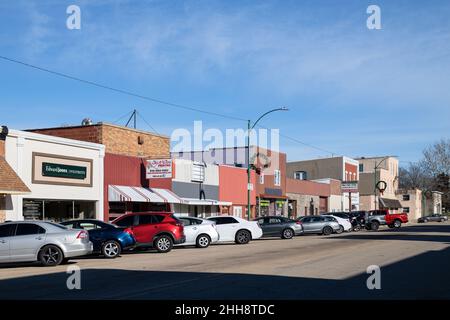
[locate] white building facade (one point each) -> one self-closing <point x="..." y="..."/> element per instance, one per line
<point x="65" y="177"/>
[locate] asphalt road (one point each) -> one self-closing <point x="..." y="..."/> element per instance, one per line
<point x="414" y="262"/>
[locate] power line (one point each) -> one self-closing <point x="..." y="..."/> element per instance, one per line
<point x="129" y="93"/>
<point x="148" y="124"/>
<point x="122" y="117"/>
<point x="301" y="142"/>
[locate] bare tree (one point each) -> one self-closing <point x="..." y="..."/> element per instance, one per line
<point x="436" y="159"/>
<point x="436" y="163"/>
<point x="414" y="176"/>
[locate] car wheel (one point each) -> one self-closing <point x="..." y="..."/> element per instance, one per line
<point x="287" y="233"/>
<point x="203" y="241"/>
<point x="243" y="237"/>
<point x="397" y="224"/>
<point x="111" y="249"/>
<point x="425" y="220"/>
<point x="442" y="220"/>
<point x="340" y="230"/>
<point x="374" y="225"/>
<point x="357" y="228"/>
<point x="51" y="256"/>
<point x="163" y="244"/>
<point x="327" y="231"/>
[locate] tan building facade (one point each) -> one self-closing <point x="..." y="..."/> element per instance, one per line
<point x="411" y="201"/>
<point x="342" y="169"/>
<point x="371" y="171"/>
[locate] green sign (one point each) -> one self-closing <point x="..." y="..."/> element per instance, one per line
<point x="280" y="203"/>
<point x="63" y="171"/>
<point x="264" y="203"/>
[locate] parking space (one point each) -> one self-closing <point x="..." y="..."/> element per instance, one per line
<point x="309" y="266"/>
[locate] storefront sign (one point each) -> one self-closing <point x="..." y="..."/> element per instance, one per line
<point x="161" y="168"/>
<point x="264" y="203"/>
<point x="349" y="187"/>
<point x="63" y="171"/>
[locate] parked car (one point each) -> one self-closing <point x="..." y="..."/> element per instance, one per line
<point x="276" y="226"/>
<point x="433" y="217"/>
<point x="108" y="239"/>
<point x="344" y="223"/>
<point x="199" y="232"/>
<point x="319" y="224"/>
<point x="46" y="242"/>
<point x="357" y="219"/>
<point x="376" y="218"/>
<point x="236" y="229"/>
<point x="343" y="215"/>
<point x="159" y="230"/>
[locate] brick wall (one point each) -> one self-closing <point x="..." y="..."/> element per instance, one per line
<point x="83" y="133"/>
<point x="128" y="142"/>
<point x="2" y="148"/>
<point x="117" y="140"/>
<point x="2" y="198"/>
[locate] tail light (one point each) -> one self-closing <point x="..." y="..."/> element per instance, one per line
<point x="129" y="231"/>
<point x="82" y="235"/>
<point x="298" y="222"/>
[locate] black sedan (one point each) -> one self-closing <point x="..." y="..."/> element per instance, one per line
<point x="277" y="226"/>
<point x="433" y="217"/>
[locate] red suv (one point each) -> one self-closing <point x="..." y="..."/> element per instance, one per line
<point x="159" y="230"/>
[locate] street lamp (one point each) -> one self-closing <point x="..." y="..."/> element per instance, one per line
<point x="250" y="128"/>
<point x="375" y="179"/>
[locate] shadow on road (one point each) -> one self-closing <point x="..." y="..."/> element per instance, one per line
<point x="406" y="233"/>
<point x="420" y="277"/>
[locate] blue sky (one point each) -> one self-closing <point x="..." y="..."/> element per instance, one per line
<point x="350" y="90"/>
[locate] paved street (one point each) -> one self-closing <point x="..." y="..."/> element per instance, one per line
<point x="414" y="264"/>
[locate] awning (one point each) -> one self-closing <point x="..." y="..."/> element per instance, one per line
<point x="140" y="194"/>
<point x="10" y="182"/>
<point x="390" y="203"/>
<point x="271" y="196"/>
<point x="205" y="202"/>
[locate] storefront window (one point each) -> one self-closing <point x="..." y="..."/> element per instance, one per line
<point x="57" y="210"/>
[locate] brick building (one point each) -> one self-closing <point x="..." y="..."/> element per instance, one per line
<point x="126" y="152"/>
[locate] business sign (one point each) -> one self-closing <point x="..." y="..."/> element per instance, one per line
<point x="160" y="168"/>
<point x="63" y="171"/>
<point x="351" y="186"/>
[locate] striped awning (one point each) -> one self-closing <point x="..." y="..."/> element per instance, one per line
<point x="139" y="194"/>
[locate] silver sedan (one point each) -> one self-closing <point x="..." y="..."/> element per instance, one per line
<point x="46" y="242"/>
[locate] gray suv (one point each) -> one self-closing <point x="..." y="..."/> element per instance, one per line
<point x="319" y="224"/>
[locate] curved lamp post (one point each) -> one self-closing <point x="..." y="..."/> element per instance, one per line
<point x="250" y="128"/>
<point x="375" y="179"/>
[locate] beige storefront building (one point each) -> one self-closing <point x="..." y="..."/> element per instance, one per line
<point x="371" y="171"/>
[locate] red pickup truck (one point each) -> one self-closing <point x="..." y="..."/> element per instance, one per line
<point x="383" y="217"/>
